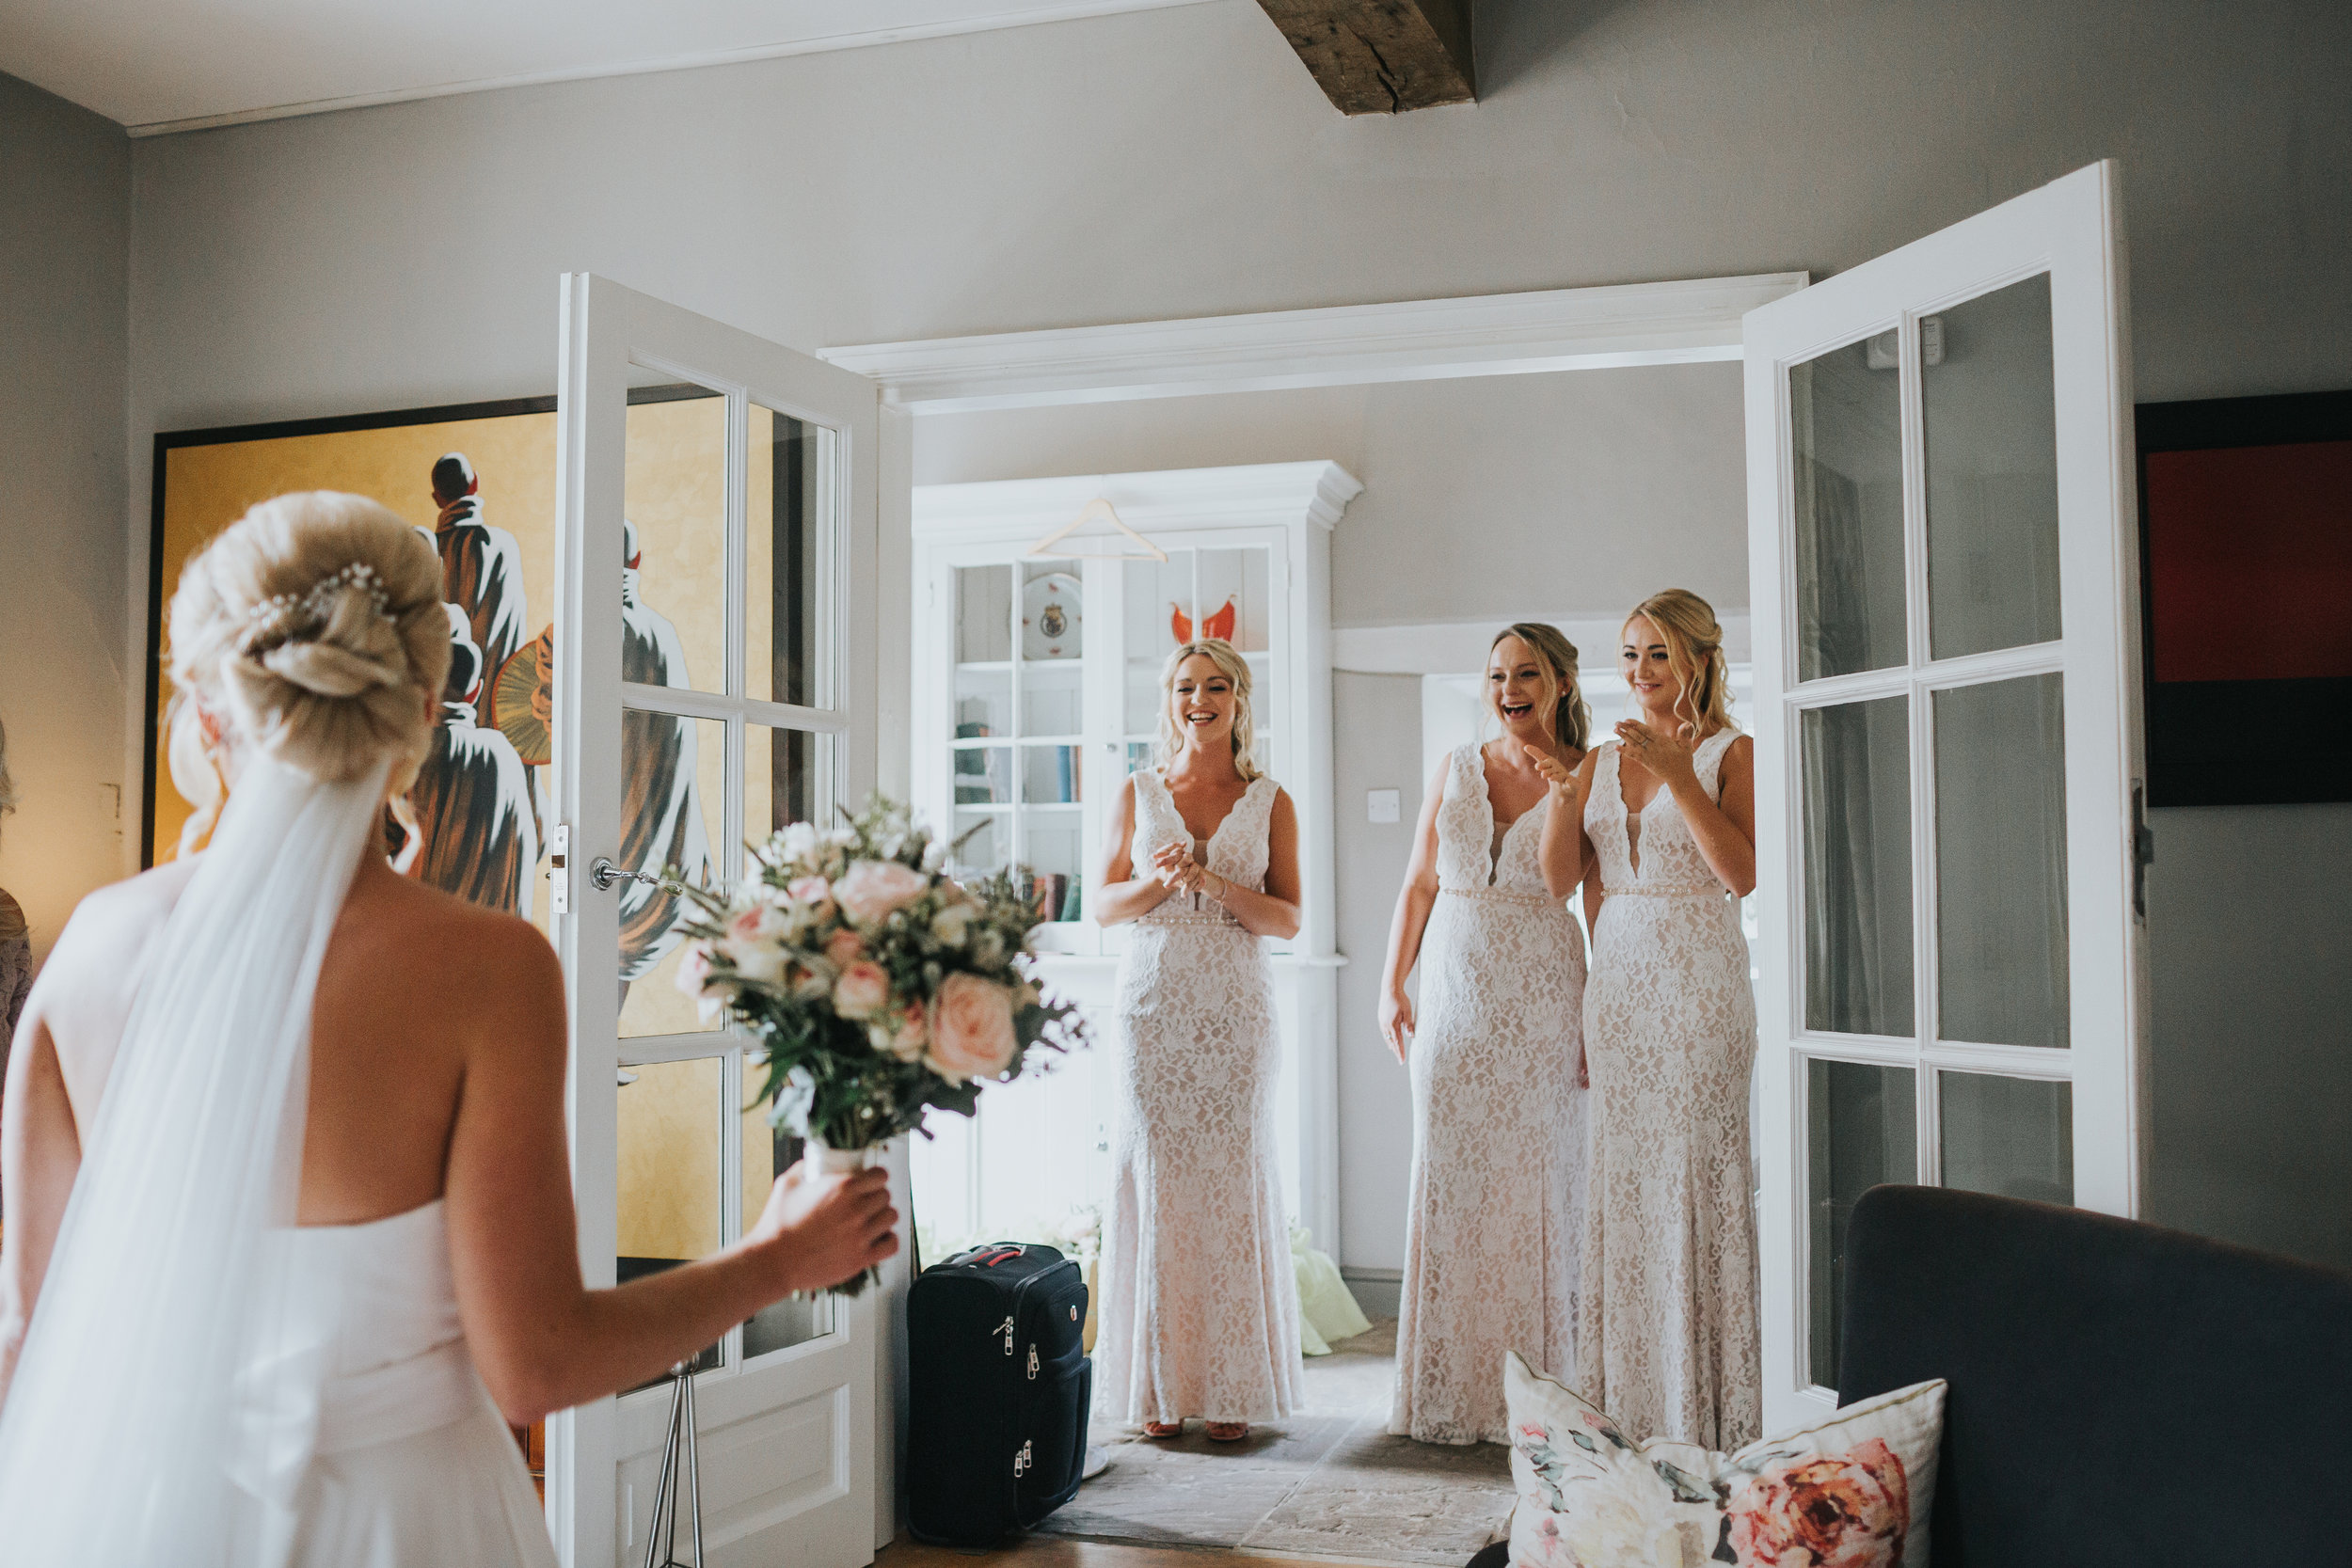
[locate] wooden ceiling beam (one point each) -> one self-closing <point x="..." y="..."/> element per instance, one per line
<point x="1382" y="57"/>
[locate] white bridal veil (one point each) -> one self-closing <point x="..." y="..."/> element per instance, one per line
<point x="134" y="1435"/>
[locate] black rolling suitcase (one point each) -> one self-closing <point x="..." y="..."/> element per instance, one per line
<point x="998" y="1389"/>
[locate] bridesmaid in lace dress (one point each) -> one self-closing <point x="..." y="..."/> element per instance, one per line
<point x="1490" y="1241"/>
<point x="1666" y="1326"/>
<point x="1199" y="1311"/>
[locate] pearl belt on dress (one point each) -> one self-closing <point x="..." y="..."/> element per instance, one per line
<point x="1668" y="890"/>
<point x="1508" y="895"/>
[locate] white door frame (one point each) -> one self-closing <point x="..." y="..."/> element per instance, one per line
<point x="603" y="327"/>
<point x="1683" y="322"/>
<point x="2071" y="229"/>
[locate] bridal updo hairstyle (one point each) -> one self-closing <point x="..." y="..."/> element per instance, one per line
<point x="312" y="630"/>
<point x="1694" y="652"/>
<point x="1570" y="719"/>
<point x="1236" y="670"/>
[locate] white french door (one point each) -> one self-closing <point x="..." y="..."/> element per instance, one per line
<point x="1948" y="757"/>
<point x="714" y="658"/>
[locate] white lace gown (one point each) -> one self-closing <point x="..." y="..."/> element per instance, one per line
<point x="1490" y="1241"/>
<point x="402" y="1458"/>
<point x="1667" y="1322"/>
<point x="1200" y="1312"/>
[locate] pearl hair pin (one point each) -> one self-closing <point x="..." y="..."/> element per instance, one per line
<point x="312" y="605"/>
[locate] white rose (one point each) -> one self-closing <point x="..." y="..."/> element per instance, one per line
<point x="953" y="924"/>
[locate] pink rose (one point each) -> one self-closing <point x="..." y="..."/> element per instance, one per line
<point x="971" y="1029"/>
<point x="1839" y="1510"/>
<point x="693" y="969"/>
<point x="863" y="989"/>
<point x="870" y="889"/>
<point x="914" y="1026"/>
<point x="753" y="923"/>
<point x="808" y="890"/>
<point x="843" y="949"/>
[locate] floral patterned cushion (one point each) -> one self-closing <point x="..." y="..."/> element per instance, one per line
<point x="1853" y="1492"/>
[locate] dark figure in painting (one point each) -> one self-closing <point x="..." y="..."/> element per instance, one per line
<point x="662" y="817"/>
<point x="481" y="568"/>
<point x="480" y="836"/>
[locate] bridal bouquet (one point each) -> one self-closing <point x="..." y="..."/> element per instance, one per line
<point x="875" y="985"/>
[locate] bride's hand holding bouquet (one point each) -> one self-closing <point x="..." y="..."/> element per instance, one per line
<point x="874" y="986"/>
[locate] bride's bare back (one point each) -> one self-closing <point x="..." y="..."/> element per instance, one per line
<point x="436" y="1070"/>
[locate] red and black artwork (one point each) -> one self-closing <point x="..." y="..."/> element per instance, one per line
<point x="2246" y="538"/>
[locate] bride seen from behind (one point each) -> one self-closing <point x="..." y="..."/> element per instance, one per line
<point x="1199" y="1311"/>
<point x="1496" y="1053"/>
<point x="290" y="1223"/>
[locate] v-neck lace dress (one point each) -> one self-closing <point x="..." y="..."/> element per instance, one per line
<point x="1667" y="1327"/>
<point x="1491" y="1237"/>
<point x="1200" y="1312"/>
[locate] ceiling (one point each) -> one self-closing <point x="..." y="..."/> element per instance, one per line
<point x="178" y="65"/>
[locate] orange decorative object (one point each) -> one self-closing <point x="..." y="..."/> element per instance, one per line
<point x="1217" y="626"/>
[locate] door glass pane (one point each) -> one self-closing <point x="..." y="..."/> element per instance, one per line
<point x="669" y="1169"/>
<point x="790" y="504"/>
<point x="2013" y="1136"/>
<point x="983" y="614"/>
<point x="673" y="594"/>
<point x="1233" y="597"/>
<point x="1861" y="1130"/>
<point x="1846" y="435"/>
<point x="788" y="778"/>
<point x="673" y="804"/>
<point x="1856" y="800"/>
<point x="1052" y="828"/>
<point x="1991" y="409"/>
<point x="1156" y="598"/>
<point x="766" y="1151"/>
<point x="1052" y="651"/>
<point x="2000" y="854"/>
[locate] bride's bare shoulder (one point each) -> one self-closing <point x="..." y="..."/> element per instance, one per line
<point x="113" y="925"/>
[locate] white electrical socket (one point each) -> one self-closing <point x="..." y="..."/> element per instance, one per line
<point x="1382" y="805"/>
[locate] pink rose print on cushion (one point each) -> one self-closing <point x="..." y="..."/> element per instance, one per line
<point x="1839" y="1511"/>
<point x="871" y="889"/>
<point x="971" y="1033"/>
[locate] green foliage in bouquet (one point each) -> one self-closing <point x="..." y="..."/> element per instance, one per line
<point x="875" y="985"/>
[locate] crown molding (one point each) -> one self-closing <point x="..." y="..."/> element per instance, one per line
<point x="1553" y="329"/>
<point x="1169" y="501"/>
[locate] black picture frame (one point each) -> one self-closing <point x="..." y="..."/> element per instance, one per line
<point x="2303" y="725"/>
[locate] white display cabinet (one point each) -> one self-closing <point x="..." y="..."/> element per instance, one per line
<point x="1035" y="691"/>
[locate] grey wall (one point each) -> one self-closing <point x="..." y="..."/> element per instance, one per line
<point x="1178" y="162"/>
<point x="1378" y="719"/>
<point x="1485" y="497"/>
<point x="65" y="185"/>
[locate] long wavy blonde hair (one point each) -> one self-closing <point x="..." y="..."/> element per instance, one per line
<point x="1571" y="719"/>
<point x="1694" y="652"/>
<point x="312" y="631"/>
<point x="1236" y="670"/>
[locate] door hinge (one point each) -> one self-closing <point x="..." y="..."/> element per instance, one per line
<point x="2144" y="848"/>
<point x="559" y="868"/>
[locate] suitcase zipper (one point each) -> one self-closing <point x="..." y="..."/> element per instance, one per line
<point x="1004" y="1328"/>
<point x="1033" y="1363"/>
<point x="1021" y="1463"/>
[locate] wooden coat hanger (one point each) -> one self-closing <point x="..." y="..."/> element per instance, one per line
<point x="1144" y="551"/>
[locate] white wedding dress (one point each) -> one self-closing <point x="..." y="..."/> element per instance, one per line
<point x="203" y="1383"/>
<point x="1668" y="1329"/>
<point x="411" y="1463"/>
<point x="1200" y="1313"/>
<point x="1491" y="1236"/>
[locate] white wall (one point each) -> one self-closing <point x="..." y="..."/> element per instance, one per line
<point x="65" y="584"/>
<point x="1179" y="163"/>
